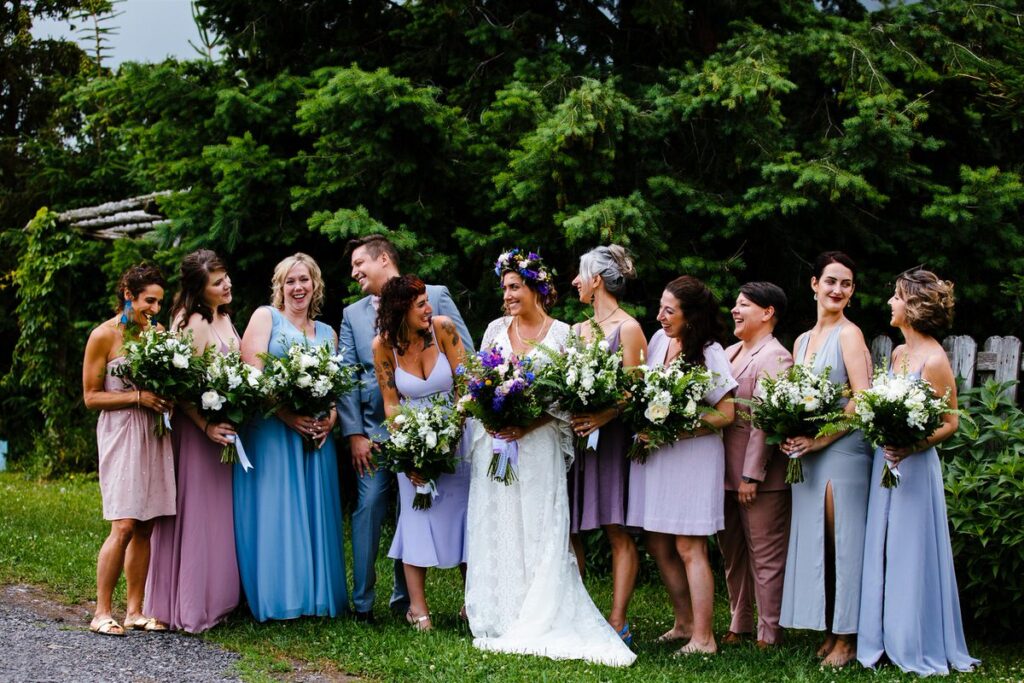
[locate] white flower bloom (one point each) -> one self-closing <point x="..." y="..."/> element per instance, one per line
<point x="212" y="400"/>
<point x="691" y="407"/>
<point x="307" y="361"/>
<point x="657" y="412"/>
<point x="431" y="439"/>
<point x="303" y="380"/>
<point x="180" y="361"/>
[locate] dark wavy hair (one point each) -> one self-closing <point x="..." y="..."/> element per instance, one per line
<point x="703" y="319"/>
<point x="136" y="279"/>
<point x="396" y="298"/>
<point x="195" y="274"/>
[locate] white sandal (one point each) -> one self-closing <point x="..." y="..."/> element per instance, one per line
<point x="417" y="621"/>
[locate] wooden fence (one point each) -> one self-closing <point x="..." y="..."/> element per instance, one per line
<point x="999" y="359"/>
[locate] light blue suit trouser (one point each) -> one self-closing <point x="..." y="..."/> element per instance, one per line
<point x="374" y="493"/>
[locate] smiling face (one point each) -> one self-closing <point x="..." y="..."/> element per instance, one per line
<point x="670" y="315"/>
<point x="218" y="289"/>
<point x="418" y="317"/>
<point x="898" y="306"/>
<point x="297" y="289"/>
<point x="750" y="320"/>
<point x="586" y="287"/>
<point x="834" y="288"/>
<point x="370" y="273"/>
<point x="518" y="298"/>
<point x="147" y="303"/>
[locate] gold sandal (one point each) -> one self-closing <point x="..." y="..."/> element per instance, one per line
<point x="417" y="622"/>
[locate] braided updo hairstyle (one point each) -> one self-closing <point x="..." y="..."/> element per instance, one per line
<point x="929" y="301"/>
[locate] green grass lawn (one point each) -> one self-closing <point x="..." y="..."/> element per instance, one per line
<point x="50" y="533"/>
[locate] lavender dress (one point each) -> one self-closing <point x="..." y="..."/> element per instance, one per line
<point x="193" y="572"/>
<point x="435" y="537"/>
<point x="136" y="466"/>
<point x="599" y="480"/>
<point x="679" y="489"/>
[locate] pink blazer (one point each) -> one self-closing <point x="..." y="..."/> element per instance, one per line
<point x="746" y="454"/>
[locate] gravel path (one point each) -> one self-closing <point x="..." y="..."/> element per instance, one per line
<point x="45" y="641"/>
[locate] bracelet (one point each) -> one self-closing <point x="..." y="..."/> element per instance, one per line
<point x="138" y="397"/>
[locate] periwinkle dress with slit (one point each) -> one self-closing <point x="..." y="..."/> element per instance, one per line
<point x="909" y="606"/>
<point x="193" y="579"/>
<point x="288" y="528"/>
<point x="599" y="479"/>
<point x="435" y="537"/>
<point x="846" y="463"/>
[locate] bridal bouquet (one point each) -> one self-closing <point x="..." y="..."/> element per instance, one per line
<point x="424" y="439"/>
<point x="163" y="363"/>
<point x="307" y="381"/>
<point x="666" y="402"/>
<point x="229" y="390"/>
<point x="583" y="377"/>
<point x="899" y="411"/>
<point x="499" y="391"/>
<point x="795" y="403"/>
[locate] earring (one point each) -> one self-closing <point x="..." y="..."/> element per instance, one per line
<point x="815" y="296"/>
<point x="126" y="312"/>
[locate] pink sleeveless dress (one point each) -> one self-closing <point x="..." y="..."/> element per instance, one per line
<point x="136" y="467"/>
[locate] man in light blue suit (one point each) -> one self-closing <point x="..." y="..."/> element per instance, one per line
<point x="374" y="262"/>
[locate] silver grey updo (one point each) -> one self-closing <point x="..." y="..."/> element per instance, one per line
<point x="612" y="263"/>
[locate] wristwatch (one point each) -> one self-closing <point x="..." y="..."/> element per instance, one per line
<point x="750" y="480"/>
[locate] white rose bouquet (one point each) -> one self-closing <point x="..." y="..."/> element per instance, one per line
<point x="583" y="377"/>
<point x="307" y="381"/>
<point x="898" y="411"/>
<point x="796" y="403"/>
<point x="164" y="363"/>
<point x="424" y="440"/>
<point x="228" y="391"/>
<point x="665" y="403"/>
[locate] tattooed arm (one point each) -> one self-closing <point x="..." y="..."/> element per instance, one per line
<point x="384" y="364"/>
<point x="449" y="341"/>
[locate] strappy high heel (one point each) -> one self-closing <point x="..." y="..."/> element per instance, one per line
<point x="626" y="634"/>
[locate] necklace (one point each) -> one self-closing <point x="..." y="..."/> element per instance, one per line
<point x="530" y="340"/>
<point x="602" y="320"/>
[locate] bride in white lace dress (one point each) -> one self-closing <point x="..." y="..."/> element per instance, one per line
<point x="524" y="594"/>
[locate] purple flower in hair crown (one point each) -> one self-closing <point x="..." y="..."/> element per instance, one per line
<point x="528" y="266"/>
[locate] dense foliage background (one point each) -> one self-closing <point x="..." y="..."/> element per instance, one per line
<point x="729" y="140"/>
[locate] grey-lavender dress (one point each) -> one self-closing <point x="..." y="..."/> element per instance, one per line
<point x="909" y="606"/>
<point x="847" y="464"/>
<point x="599" y="479"/>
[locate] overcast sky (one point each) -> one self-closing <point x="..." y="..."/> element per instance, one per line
<point x="148" y="31"/>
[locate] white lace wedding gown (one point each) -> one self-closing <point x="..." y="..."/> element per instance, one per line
<point x="524" y="594"/>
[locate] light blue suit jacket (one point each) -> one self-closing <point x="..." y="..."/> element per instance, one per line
<point x="362" y="410"/>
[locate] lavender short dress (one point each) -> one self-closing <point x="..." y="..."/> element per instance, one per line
<point x="435" y="537"/>
<point x="680" y="489"/>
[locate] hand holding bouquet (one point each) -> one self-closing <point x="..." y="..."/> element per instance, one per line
<point x="228" y="391"/>
<point x="795" y="403"/>
<point x="584" y="377"/>
<point x="500" y="392"/>
<point x="898" y="411"/>
<point x="666" y="402"/>
<point x="424" y="440"/>
<point x="307" y="381"/>
<point x="163" y="363"/>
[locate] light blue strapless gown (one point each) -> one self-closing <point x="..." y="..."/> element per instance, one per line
<point x="288" y="526"/>
<point x="435" y="537"/>
<point x="909" y="606"/>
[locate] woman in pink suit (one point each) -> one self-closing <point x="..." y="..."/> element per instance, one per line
<point x="757" y="499"/>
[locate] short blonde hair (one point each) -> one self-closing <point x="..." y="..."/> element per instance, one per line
<point x="929" y="301"/>
<point x="281" y="273"/>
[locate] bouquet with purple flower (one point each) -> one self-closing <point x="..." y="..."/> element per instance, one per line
<point x="499" y="391"/>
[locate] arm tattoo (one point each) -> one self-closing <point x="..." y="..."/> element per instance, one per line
<point x="453" y="334"/>
<point x="387" y="373"/>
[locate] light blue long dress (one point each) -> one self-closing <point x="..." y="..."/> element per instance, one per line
<point x="435" y="537"/>
<point x="288" y="527"/>
<point x="909" y="606"/>
<point x="847" y="464"/>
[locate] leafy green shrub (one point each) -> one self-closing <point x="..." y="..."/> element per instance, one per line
<point x="984" y="480"/>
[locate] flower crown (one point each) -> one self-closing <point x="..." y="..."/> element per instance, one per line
<point x="530" y="267"/>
